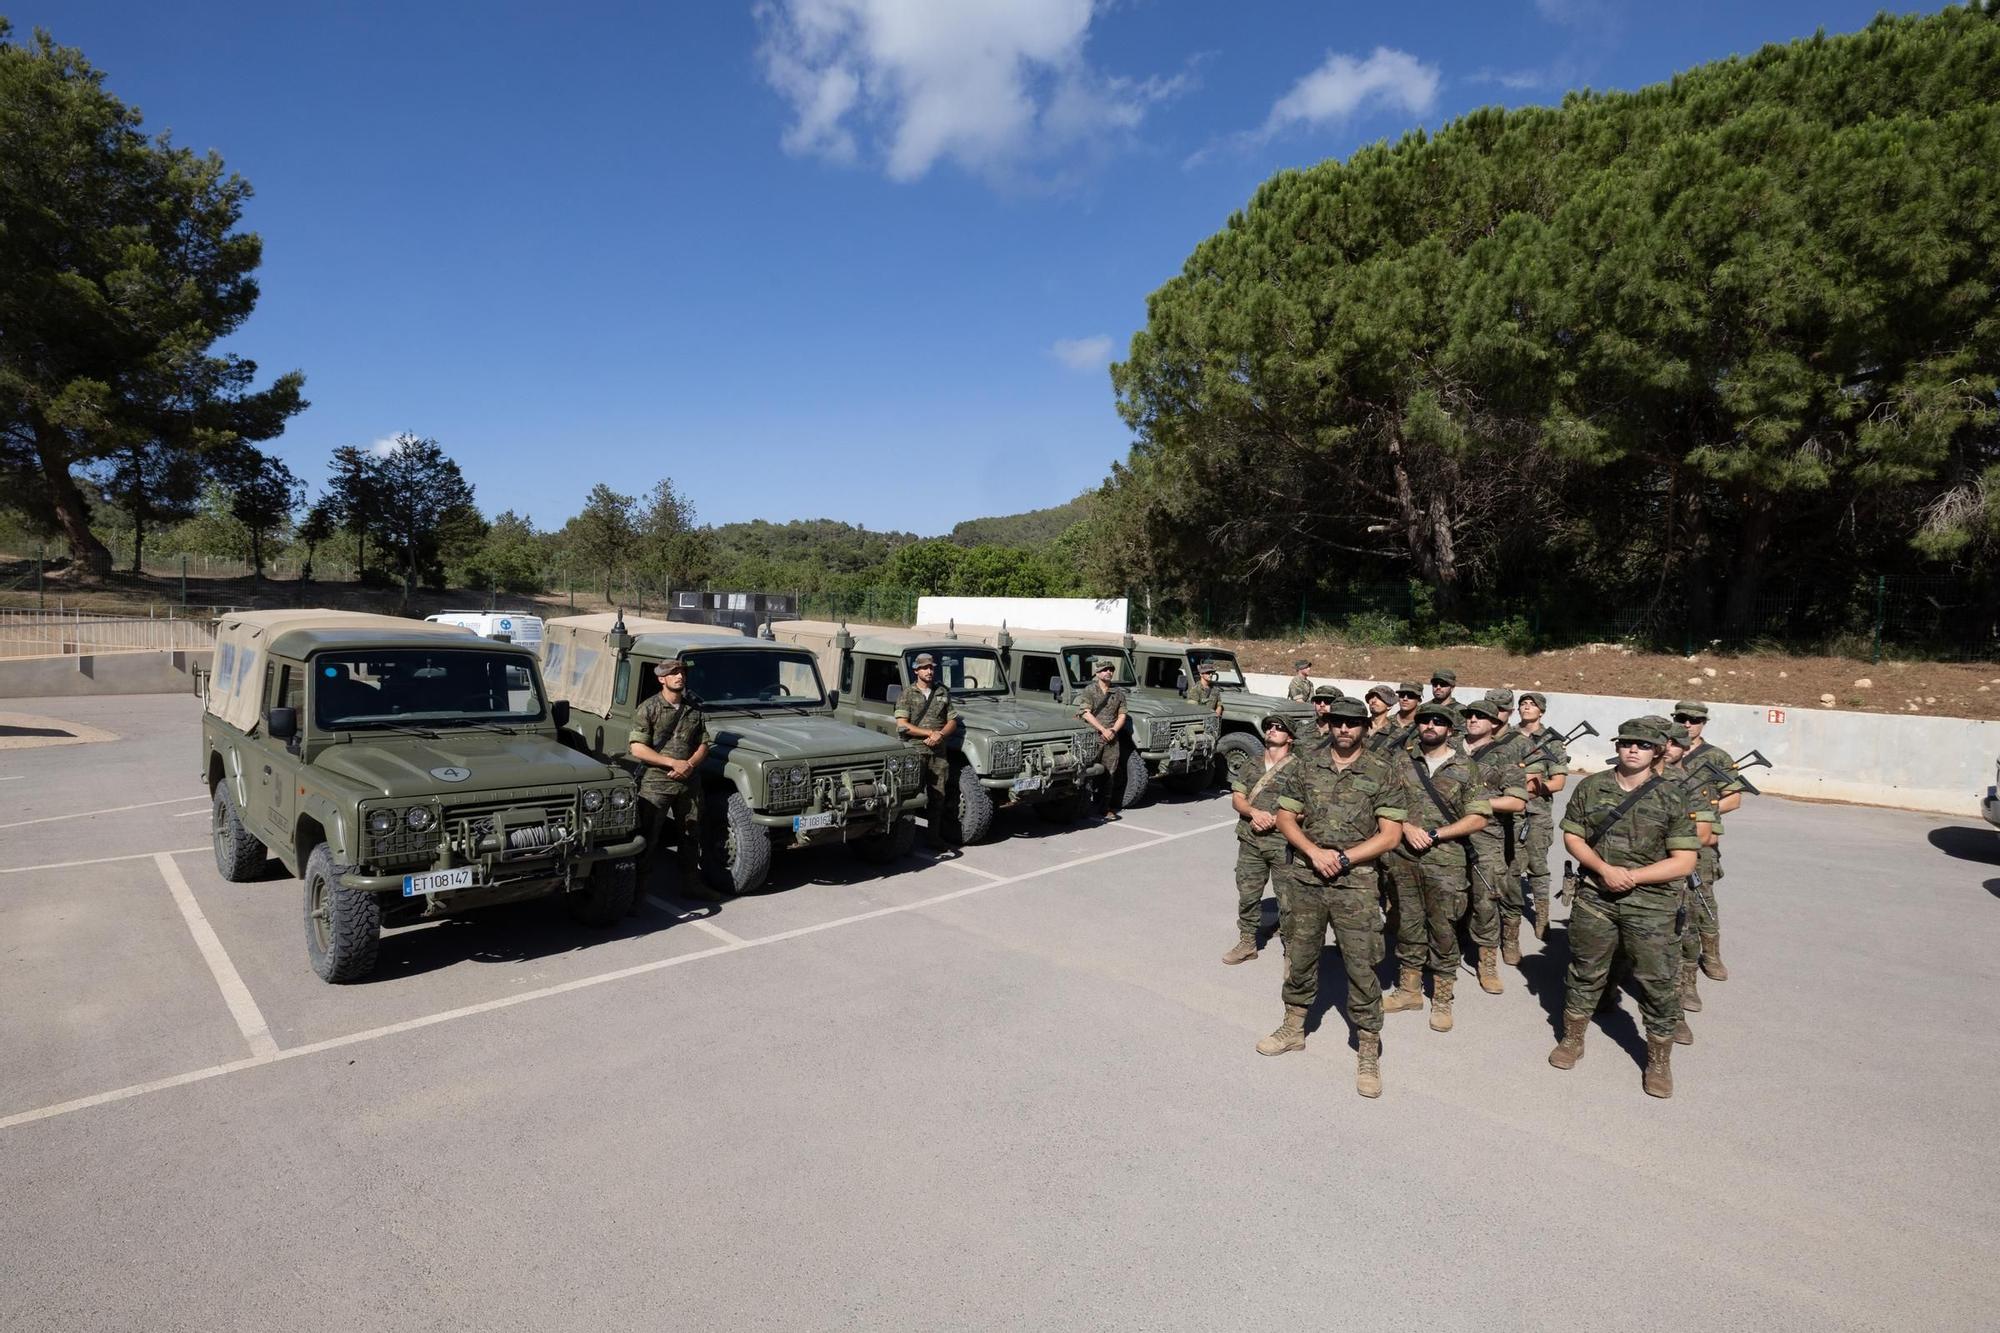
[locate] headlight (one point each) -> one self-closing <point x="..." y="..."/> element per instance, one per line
<point x="797" y="776"/>
<point x="620" y="798"/>
<point x="419" y="818"/>
<point x="593" y="800"/>
<point x="1006" y="754"/>
<point x="381" y="821"/>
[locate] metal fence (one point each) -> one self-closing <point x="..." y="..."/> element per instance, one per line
<point x="48" y="633"/>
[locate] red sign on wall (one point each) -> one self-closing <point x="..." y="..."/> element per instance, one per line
<point x="1774" y="715"/>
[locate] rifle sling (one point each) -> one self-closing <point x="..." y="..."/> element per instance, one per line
<point x="1444" y="807"/>
<point x="1618" y="812"/>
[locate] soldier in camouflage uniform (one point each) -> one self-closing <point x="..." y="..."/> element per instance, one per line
<point x="1705" y="823"/>
<point x="1716" y="773"/>
<point x="1260" y="849"/>
<point x="1431" y="862"/>
<point x="1626" y="897"/>
<point x="1102" y="706"/>
<point x="670" y="737"/>
<point x="1205" y="693"/>
<point x="1497" y="755"/>
<point x="1321" y="734"/>
<point x="1381" y="701"/>
<point x="1301" y="687"/>
<point x="1338" y="811"/>
<point x="1402" y="732"/>
<point x="925" y="714"/>
<point x="1547" y="773"/>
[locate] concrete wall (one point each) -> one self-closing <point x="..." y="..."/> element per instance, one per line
<point x="1940" y="764"/>
<point x="1025" y="612"/>
<point x="72" y="674"/>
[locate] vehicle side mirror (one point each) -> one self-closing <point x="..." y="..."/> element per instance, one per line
<point x="895" y="693"/>
<point x="559" y="712"/>
<point x="281" y="724"/>
<point x="833" y="698"/>
<point x="1180" y="682"/>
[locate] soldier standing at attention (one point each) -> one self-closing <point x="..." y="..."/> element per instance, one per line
<point x="1507" y="792"/>
<point x="1260" y="848"/>
<point x="1445" y="803"/>
<point x="1716" y="773"/>
<point x="1381" y="700"/>
<point x="1443" y="681"/>
<point x="1707" y="829"/>
<point x="1403" y="731"/>
<point x="1338" y="811"/>
<point x="1204" y="693"/>
<point x="1548" y="773"/>
<point x="1103" y="707"/>
<point x="670" y="737"/>
<point x="1323" y="697"/>
<point x="1632" y="838"/>
<point x="925" y="713"/>
<point x="1302" y="684"/>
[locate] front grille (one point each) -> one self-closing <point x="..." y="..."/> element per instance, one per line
<point x="1052" y="758"/>
<point x="1192" y="735"/>
<point x="524" y="825"/>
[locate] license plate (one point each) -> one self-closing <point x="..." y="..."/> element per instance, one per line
<point x="807" y="823"/>
<point x="1178" y="755"/>
<point x="437" y="881"/>
<point x="1032" y="782"/>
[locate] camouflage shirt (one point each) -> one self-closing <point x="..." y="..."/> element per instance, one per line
<point x="929" y="711"/>
<point x="1301" y="690"/>
<point x="1459" y="782"/>
<point x="1499" y="775"/>
<point x="1259" y="786"/>
<point x="1338" y="807"/>
<point x="1551" y="760"/>
<point x="1658" y="823"/>
<point x="676" y="732"/>
<point x="1103" y="702"/>
<point x="1205" y="696"/>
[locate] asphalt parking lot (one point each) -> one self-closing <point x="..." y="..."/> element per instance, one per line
<point x="1012" y="1090"/>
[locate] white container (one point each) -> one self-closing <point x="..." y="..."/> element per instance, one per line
<point x="517" y="626"/>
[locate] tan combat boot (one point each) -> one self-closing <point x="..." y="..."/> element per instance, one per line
<point x="1489" y="971"/>
<point x="1541" y="907"/>
<point x="1683" y="1034"/>
<point x="1711" y="958"/>
<point x="1570" y="1049"/>
<point x="1441" y="1002"/>
<point x="1368" y="1069"/>
<point x="1690" y="997"/>
<point x="1510" y="941"/>
<point x="1245" y="950"/>
<point x="1290" y="1036"/>
<point x="1659" y="1080"/>
<point x="1409" y="992"/>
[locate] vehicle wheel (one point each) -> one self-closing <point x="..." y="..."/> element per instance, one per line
<point x="1064" y="809"/>
<point x="1132" y="771"/>
<point x="238" y="856"/>
<point x="972" y="820"/>
<point x="894" y="845"/>
<point x="343" y="926"/>
<point x="736" y="852"/>
<point x="606" y="896"/>
<point x="1237" y="750"/>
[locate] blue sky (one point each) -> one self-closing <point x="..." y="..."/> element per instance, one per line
<point x="857" y="259"/>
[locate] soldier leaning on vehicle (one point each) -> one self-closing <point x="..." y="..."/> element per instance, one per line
<point x="1102" y="705"/>
<point x="670" y="737"/>
<point x="926" y="714"/>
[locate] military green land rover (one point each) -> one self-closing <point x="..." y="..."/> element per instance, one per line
<point x="1174" y="741"/>
<point x="782" y="770"/>
<point x="1008" y="751"/>
<point x="403" y="771"/>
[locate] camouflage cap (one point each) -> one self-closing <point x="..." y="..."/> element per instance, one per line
<point x="1445" y="674"/>
<point x="923" y="659"/>
<point x="1693" y="708"/>
<point x="1386" y="693"/>
<point x="1503" y="697"/>
<point x="1647" y="729"/>
<point x="1327" y="692"/>
<point x="1488" y="708"/>
<point x="1541" y="700"/>
<point x="1278" y="720"/>
<point x="1348" y="709"/>
<point x="1098" y="664"/>
<point x="669" y="665"/>
<point x="1411" y="687"/>
<point x="1300" y="663"/>
<point x="1207" y="667"/>
<point x="1436" y="713"/>
<point x="1678" y="734"/>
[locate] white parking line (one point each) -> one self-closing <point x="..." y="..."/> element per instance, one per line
<point x="191" y="814"/>
<point x="973" y="870"/>
<point x="579" y="983"/>
<point x="97" y="861"/>
<point x="703" y="923"/>
<point x="1136" y="828"/>
<point x="112" y="810"/>
<point x="242" y="1007"/>
<point x="15" y="777"/>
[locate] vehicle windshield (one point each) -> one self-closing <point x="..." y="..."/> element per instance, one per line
<point x="439" y="687"/>
<point x="963" y="670"/>
<point x="1227" y="672"/>
<point x="753" y="678"/>
<point x="1076" y="661"/>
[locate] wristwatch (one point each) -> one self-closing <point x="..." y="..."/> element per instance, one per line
<point x="1345" y="864"/>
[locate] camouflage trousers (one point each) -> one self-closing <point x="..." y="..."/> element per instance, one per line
<point x="1643" y="926"/>
<point x="1351" y="907"/>
<point x="1430" y="898"/>
<point x="1486" y="881"/>
<point x="1255" y="864"/>
<point x="678" y="813"/>
<point x="1704" y="912"/>
<point x="1534" y="834"/>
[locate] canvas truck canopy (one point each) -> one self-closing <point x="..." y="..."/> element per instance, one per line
<point x="580" y="665"/>
<point x="243" y="642"/>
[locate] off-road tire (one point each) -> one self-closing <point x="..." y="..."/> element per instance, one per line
<point x="971" y="820"/>
<point x="1138" y="783"/>
<point x="1234" y="750"/>
<point x="606" y="896"/>
<point x="342" y="945"/>
<point x="736" y="851"/>
<point x="1064" y="809"/>
<point x="885" y="848"/>
<point x="238" y="856"/>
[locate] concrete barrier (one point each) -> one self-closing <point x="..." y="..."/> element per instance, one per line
<point x="70" y="675"/>
<point x="1026" y="612"/>
<point x="1940" y="764"/>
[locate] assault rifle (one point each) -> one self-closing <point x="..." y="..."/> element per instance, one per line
<point x="1541" y="746"/>
<point x="1748" y="759"/>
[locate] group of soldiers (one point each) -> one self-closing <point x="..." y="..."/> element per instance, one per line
<point x="1396" y="817"/>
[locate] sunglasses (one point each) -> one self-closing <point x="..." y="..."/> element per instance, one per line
<point x="1349" y="722"/>
<point x="1641" y="745"/>
<point x="1686" y="718"/>
<point x="1408" y="694"/>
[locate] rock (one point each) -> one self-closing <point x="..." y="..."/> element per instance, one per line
<point x="1982" y="689"/>
<point x="1930" y="698"/>
<point x="1784" y="675"/>
<point x="1826" y="699"/>
<point x="1864" y="684"/>
<point x="1692" y="680"/>
<point x="1710" y="671"/>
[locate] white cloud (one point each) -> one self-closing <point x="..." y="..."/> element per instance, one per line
<point x="1092" y="353"/>
<point x="996" y="86"/>
<point x="1342" y="86"/>
<point x="385" y="446"/>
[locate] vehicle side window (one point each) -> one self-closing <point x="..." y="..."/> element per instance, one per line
<point x="246" y="669"/>
<point x="847" y="673"/>
<point x="1161" y="672"/>
<point x="649" y="684"/>
<point x="877" y="675"/>
<point x="290" y="691"/>
<point x="581" y="664"/>
<point x="225" y="670"/>
<point x="552" y="670"/>
<point x="622" y="682"/>
<point x="1037" y="671"/>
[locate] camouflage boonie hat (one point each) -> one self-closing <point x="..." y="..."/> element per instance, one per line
<point x="1278" y="720"/>
<point x="1647" y="729"/>
<point x="1445" y="674"/>
<point x="1693" y="708"/>
<point x="1678" y="734"/>
<point x="1326" y="692"/>
<point x="1300" y="663"/>
<point x="1541" y="700"/>
<point x="1436" y="713"/>
<point x="923" y="659"/>
<point x="1488" y="708"/>
<point x="1348" y="709"/>
<point x="1098" y="664"/>
<point x="1504" y="698"/>
<point x="669" y="665"/>
<point x="1410" y="687"/>
<point x="1386" y="693"/>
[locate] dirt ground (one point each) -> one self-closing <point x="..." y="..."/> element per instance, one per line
<point x="1943" y="689"/>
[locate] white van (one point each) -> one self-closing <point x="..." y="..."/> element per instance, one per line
<point x="516" y="626"/>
